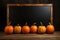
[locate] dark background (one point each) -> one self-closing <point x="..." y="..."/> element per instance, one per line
<point x="30" y="14"/>
<point x="56" y="11"/>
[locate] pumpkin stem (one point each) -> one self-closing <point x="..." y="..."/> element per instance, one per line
<point x="9" y="23"/>
<point x="41" y="23"/>
<point x="26" y="23"/>
<point x="18" y="24"/>
<point x="49" y="23"/>
<point x="34" y="23"/>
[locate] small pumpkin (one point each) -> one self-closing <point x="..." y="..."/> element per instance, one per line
<point x="33" y="28"/>
<point x="50" y="28"/>
<point x="8" y="29"/>
<point x="41" y="29"/>
<point x="17" y="29"/>
<point x="25" y="29"/>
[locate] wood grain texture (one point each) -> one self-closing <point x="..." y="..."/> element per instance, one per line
<point x="54" y="36"/>
<point x="26" y="1"/>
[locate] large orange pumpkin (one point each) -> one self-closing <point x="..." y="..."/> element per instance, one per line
<point x="41" y="29"/>
<point x="8" y="29"/>
<point x="17" y="29"/>
<point x="50" y="28"/>
<point x="33" y="28"/>
<point x="25" y="29"/>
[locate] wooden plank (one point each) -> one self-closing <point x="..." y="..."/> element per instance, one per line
<point x="54" y="36"/>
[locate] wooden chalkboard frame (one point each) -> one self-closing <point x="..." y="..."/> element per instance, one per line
<point x="51" y="6"/>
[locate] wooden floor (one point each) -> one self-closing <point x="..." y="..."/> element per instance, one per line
<point x="55" y="36"/>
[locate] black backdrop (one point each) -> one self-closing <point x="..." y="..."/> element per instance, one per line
<point x="30" y="14"/>
<point x="56" y="11"/>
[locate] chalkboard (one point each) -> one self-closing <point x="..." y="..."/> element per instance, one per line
<point x="30" y="13"/>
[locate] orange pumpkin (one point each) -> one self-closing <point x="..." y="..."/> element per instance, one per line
<point x="17" y="29"/>
<point x="41" y="29"/>
<point x="50" y="28"/>
<point x="8" y="29"/>
<point x="33" y="28"/>
<point x="25" y="29"/>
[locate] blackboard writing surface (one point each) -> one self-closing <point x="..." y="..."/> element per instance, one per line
<point x="30" y="14"/>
